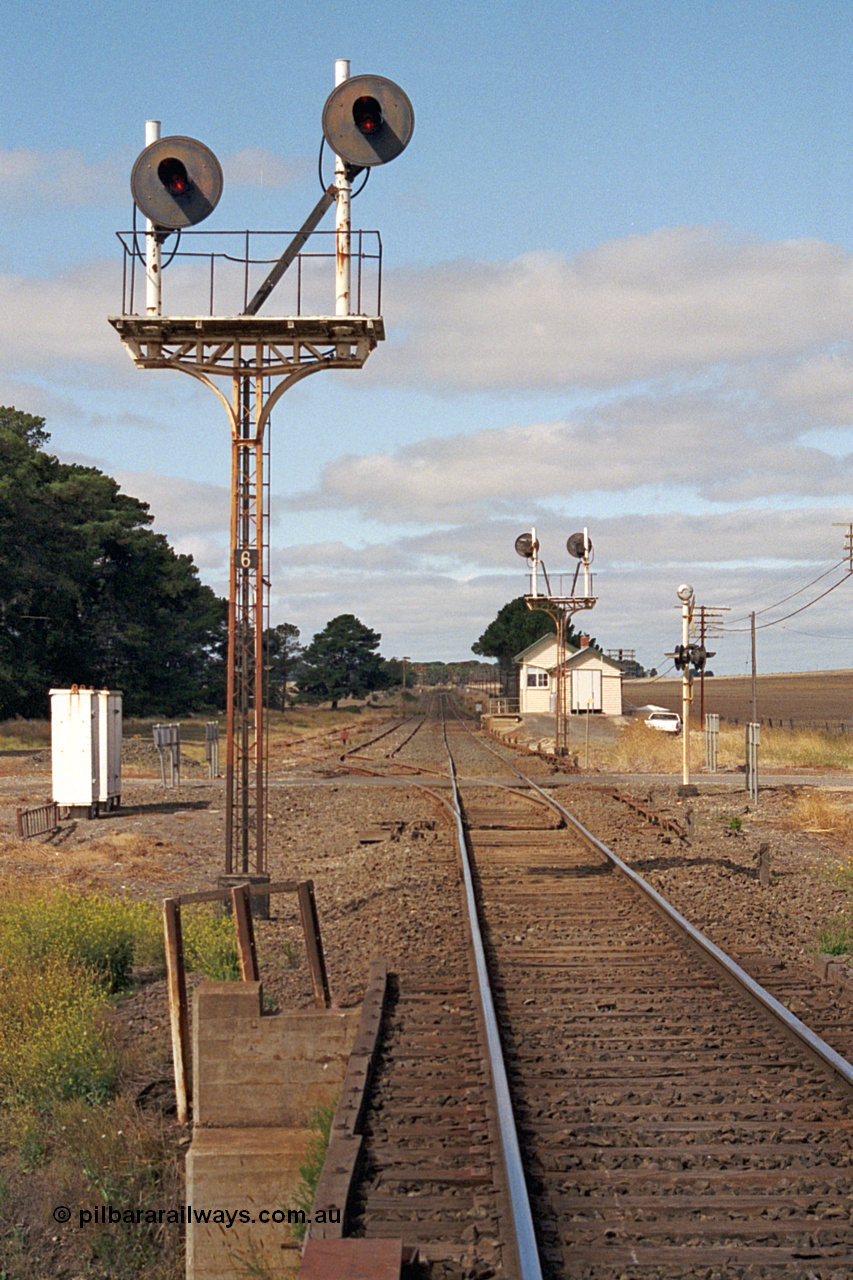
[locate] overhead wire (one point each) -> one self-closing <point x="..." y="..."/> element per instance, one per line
<point x="816" y="635"/>
<point x="785" y="599"/>
<point x="775" y="622"/>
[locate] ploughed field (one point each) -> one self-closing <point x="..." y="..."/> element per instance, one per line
<point x="809" y="699"/>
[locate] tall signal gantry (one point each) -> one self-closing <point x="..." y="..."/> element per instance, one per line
<point x="561" y="606"/>
<point x="176" y="183"/>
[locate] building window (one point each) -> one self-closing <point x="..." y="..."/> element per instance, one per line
<point x="537" y="679"/>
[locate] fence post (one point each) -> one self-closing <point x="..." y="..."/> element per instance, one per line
<point x="753" y="737"/>
<point x="178" y="1013"/>
<point x="245" y="933"/>
<point x="314" y="944"/>
<point x="712" y="738"/>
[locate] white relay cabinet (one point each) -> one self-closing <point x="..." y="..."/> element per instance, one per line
<point x="85" y="734"/>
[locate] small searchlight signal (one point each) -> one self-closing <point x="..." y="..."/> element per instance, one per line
<point x="526" y="545"/>
<point x="176" y="182"/>
<point x="579" y="545"/>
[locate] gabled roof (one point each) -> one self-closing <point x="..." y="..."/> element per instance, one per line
<point x="575" y="654"/>
<point x="576" y="658"/>
<point x="543" y="642"/>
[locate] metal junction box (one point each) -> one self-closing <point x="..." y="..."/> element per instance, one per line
<point x="85" y="732"/>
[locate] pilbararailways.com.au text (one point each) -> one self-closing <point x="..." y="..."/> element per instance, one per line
<point x="109" y="1215"/>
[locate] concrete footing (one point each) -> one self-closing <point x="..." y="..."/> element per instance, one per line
<point x="256" y="1079"/>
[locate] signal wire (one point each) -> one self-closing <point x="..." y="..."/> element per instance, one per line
<point x="141" y="256"/>
<point x="323" y="184"/>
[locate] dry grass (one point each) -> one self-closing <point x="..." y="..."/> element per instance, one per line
<point x="134" y="854"/>
<point x="819" y="813"/>
<point x="78" y="1155"/>
<point x="781" y="748"/>
<point x="24" y="735"/>
<point x="307" y="728"/>
<point x="804" y="748"/>
<point x="640" y="750"/>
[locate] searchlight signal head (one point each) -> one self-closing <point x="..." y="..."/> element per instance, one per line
<point x="176" y="182"/>
<point x="578" y="545"/>
<point x="526" y="545"/>
<point x="368" y="120"/>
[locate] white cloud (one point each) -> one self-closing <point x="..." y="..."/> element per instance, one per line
<point x="65" y="177"/>
<point x="638" y="308"/>
<point x="639" y="542"/>
<point x="444" y="587"/>
<point x="421" y="614"/>
<point x="45" y="322"/>
<point x="821" y="386"/>
<point x="180" y="507"/>
<point x="724" y="445"/>
<point x="62" y="177"/>
<point x="723" y="363"/>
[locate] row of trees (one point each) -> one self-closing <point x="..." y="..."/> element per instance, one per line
<point x="342" y="661"/>
<point x="89" y="594"/>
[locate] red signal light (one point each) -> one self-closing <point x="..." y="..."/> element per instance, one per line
<point x="173" y="175"/>
<point x="367" y="115"/>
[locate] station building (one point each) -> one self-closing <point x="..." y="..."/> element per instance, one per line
<point x="593" y="681"/>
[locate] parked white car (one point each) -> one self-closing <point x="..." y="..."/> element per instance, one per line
<point x="665" y="721"/>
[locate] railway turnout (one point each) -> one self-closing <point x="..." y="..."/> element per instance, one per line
<point x="670" y="1119"/>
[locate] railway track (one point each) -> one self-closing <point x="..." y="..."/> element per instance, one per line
<point x="331" y="747"/>
<point x="669" y="1123"/>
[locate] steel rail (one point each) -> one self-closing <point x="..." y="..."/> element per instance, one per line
<point x="788" y="1020"/>
<point x="522" y="1215"/>
<point x="398" y="724"/>
<point x="408" y="738"/>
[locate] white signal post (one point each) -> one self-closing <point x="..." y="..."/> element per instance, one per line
<point x="688" y="598"/>
<point x="342" y="215"/>
<point x="153" y="277"/>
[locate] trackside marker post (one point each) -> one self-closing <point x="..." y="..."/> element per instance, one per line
<point x="178" y="1009"/>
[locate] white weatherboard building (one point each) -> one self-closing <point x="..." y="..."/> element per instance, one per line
<point x="592" y="681"/>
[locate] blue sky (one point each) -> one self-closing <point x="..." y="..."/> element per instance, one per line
<point x="618" y="287"/>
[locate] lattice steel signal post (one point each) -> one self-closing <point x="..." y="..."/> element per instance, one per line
<point x="250" y="360"/>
